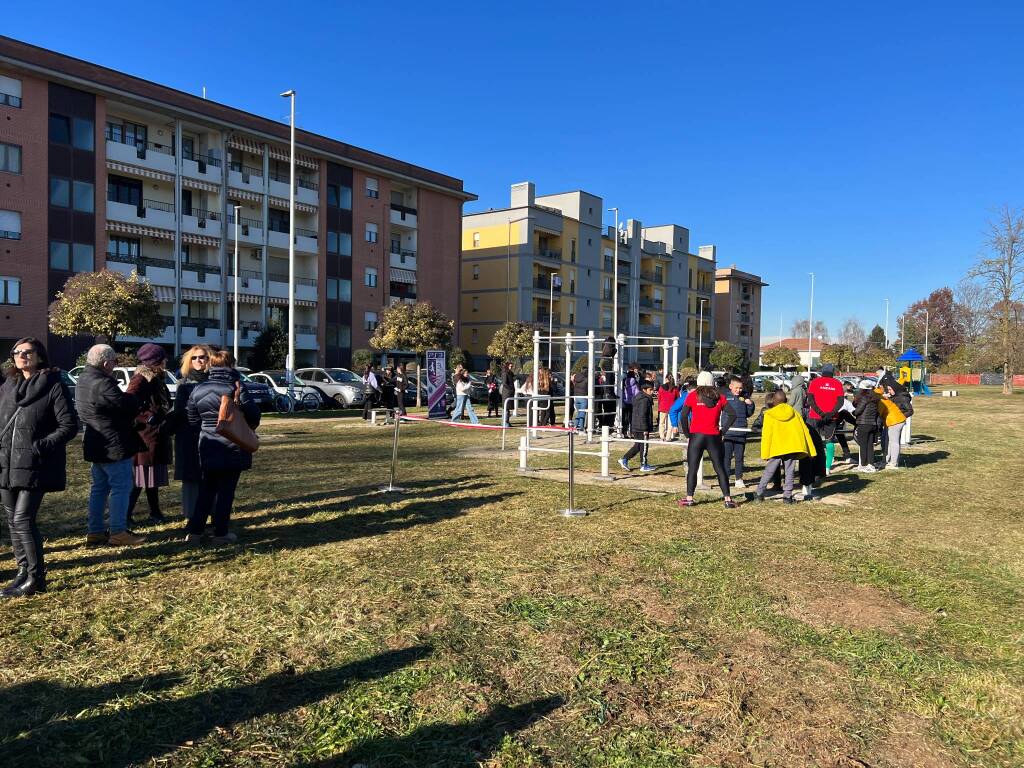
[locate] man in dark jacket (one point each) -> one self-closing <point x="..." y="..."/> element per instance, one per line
<point x="642" y="424"/>
<point x="508" y="390"/>
<point x="109" y="443"/>
<point x="735" y="438"/>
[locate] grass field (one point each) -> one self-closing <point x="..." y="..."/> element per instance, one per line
<point x="466" y="623"/>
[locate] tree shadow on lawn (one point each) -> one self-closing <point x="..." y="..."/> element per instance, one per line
<point x="448" y="744"/>
<point x="31" y="736"/>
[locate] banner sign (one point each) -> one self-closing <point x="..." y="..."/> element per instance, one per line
<point x="437" y="375"/>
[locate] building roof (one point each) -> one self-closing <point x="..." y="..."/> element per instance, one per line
<point x="799" y="345"/>
<point x="76" y="72"/>
<point x="724" y="273"/>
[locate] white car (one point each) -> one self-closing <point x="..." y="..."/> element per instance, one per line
<point x="309" y="397"/>
<point x="337" y="385"/>
<point x="123" y="375"/>
<point x="777" y="379"/>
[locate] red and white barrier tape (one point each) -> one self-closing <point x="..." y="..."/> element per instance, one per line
<point x="447" y="423"/>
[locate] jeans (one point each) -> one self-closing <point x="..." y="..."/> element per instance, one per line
<point x="216" y="495"/>
<point x="22" y="507"/>
<point x="734" y="448"/>
<point x="580" y="404"/>
<point x="893" y="438"/>
<point x="775" y="463"/>
<point x="114" y="480"/>
<point x="463" y="405"/>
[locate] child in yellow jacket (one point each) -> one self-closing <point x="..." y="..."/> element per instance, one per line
<point x="784" y="441"/>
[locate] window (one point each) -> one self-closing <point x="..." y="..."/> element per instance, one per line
<point x="10" y="225"/>
<point x="371" y="188"/>
<point x="124" y="190"/>
<point x="370" y="277"/>
<point x="572" y="313"/>
<point x="82" y="258"/>
<point x="340" y="243"/>
<point x="332" y="195"/>
<point x="476" y="303"/>
<point x="126" y="133"/>
<point x="127" y="249"/>
<point x="344" y="290"/>
<point x="10" y="290"/>
<point x="60" y="192"/>
<point x="345" y="203"/>
<point x="83" y="197"/>
<point x="10" y="91"/>
<point x="475" y="336"/>
<point x="476" y="239"/>
<point x="332" y="290"/>
<point x="371" y="233"/>
<point x="476" y="271"/>
<point x="10" y="158"/>
<point x="572" y="250"/>
<point x="60" y="255"/>
<point x="60" y="129"/>
<point x="370" y="321"/>
<point x="83" y="136"/>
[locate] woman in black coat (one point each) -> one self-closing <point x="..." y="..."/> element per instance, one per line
<point x="194" y="365"/>
<point x="37" y="419"/>
<point x="222" y="462"/>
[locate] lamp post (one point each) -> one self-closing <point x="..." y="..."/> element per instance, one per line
<point x="902" y="320"/>
<point x="552" y="278"/>
<point x="925" y="339"/>
<point x="700" y="335"/>
<point x="237" y="209"/>
<point x="886" y="323"/>
<point x="615" y="279"/>
<point x="290" y="367"/>
<point x="810" y="328"/>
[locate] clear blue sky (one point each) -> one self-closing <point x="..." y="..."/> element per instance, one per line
<point x="868" y="143"/>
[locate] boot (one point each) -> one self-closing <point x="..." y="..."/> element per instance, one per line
<point x="19" y="579"/>
<point x="126" y="539"/>
<point x="29" y="587"/>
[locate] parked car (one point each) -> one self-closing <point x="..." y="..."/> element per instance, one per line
<point x="778" y="381"/>
<point x="259" y="392"/>
<point x="477" y="389"/>
<point x="449" y="390"/>
<point x="337" y="386"/>
<point x="70" y="383"/>
<point x="122" y="375"/>
<point x="308" y="397"/>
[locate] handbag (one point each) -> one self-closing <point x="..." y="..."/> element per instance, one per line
<point x="231" y="424"/>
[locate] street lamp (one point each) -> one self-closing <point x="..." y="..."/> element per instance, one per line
<point x="810" y="328"/>
<point x="508" y="265"/>
<point x="700" y="335"/>
<point x="555" y="281"/>
<point x="615" y="279"/>
<point x="290" y="367"/>
<point x="902" y="320"/>
<point x="887" y="324"/>
<point x="925" y="341"/>
<point x="237" y="209"/>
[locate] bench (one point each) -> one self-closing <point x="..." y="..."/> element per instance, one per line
<point x="381" y="416"/>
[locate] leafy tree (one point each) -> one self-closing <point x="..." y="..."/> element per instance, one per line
<point x="416" y="327"/>
<point x="581" y="364"/>
<point x="876" y="338"/>
<point x="687" y="368"/>
<point x="513" y="341"/>
<point x="362" y="358"/>
<point x="871" y="359"/>
<point x="456" y="357"/>
<point x="842" y="356"/>
<point x="106" y="305"/>
<point x="269" y="349"/>
<point x="1003" y="274"/>
<point x="778" y="357"/>
<point x="799" y="329"/>
<point x="944" y="325"/>
<point x="726" y="356"/>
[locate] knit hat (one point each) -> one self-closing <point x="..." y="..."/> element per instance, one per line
<point x="866" y="384"/>
<point x="151" y="354"/>
<point x="828" y="369"/>
<point x="705" y="379"/>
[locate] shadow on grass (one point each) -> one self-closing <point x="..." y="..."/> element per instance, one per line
<point x="31" y="736"/>
<point x="912" y="460"/>
<point x="447" y="744"/>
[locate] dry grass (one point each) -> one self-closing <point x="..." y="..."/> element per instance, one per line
<point x="465" y="623"/>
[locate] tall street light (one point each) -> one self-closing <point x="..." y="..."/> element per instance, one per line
<point x="290" y="372"/>
<point x="886" y="323"/>
<point x="925" y="341"/>
<point x="552" y="278"/>
<point x="902" y="320"/>
<point x="700" y="335"/>
<point x="810" y="328"/>
<point x="615" y="279"/>
<point x="238" y="208"/>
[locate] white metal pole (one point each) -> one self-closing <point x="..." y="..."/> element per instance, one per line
<point x="568" y="378"/>
<point x="615" y="279"/>
<point x="675" y="358"/>
<point x="886" y="323"/>
<point x="290" y="373"/>
<point x="531" y="405"/>
<point x="592" y="374"/>
<point x="551" y="315"/>
<point x="903" y="331"/>
<point x="925" y="339"/>
<point x="810" y="327"/>
<point x="237" y="209"/>
<point x="700" y="336"/>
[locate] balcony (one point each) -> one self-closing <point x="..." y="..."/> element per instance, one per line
<point x="543" y="283"/>
<point x="306" y="190"/>
<point x="245" y="177"/>
<point x="547" y="253"/>
<point x="624" y="270"/>
<point x="402" y="216"/>
<point x="248" y="330"/>
<point x="305" y="287"/>
<point x="205" y="276"/>
<point x="543" y="318"/>
<point x="158" y="157"/>
<point x="404" y="259"/>
<point x="654" y="276"/>
<point x="250" y="231"/>
<point x="305" y="337"/>
<point x="151" y="213"/>
<point x="305" y="239"/>
<point x="249" y="282"/>
<point x="647" y="301"/>
<point x="199" y="166"/>
<point x="200" y="222"/>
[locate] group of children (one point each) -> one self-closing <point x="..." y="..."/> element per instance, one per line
<point x="798" y="432"/>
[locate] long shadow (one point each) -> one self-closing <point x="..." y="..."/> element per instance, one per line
<point x="912" y="460"/>
<point x="122" y="737"/>
<point x="445" y="744"/>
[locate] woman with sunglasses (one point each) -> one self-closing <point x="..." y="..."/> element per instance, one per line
<point x="195" y="367"/>
<point x="37" y="419"/>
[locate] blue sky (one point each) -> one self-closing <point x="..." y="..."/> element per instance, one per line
<point x="866" y="142"/>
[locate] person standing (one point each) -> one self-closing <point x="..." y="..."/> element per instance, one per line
<point x="371" y="389"/>
<point x="668" y="393"/>
<point x="642" y="422"/>
<point x="734" y="439"/>
<point x="894" y="419"/>
<point x="493" y="393"/>
<point x="824" y="399"/>
<point x="580" y="398"/>
<point x="785" y="440"/>
<point x="222" y="462"/>
<point x="401" y="386"/>
<point x="865" y="411"/>
<point x="195" y="365"/>
<point x="542" y="407"/>
<point x="110" y="443"/>
<point x="508" y="391"/>
<point x="149" y="385"/>
<point x="37" y="420"/>
<point x="463" y="405"/>
<point x="699" y="416"/>
<point x="797" y="394"/>
<point x="630" y="389"/>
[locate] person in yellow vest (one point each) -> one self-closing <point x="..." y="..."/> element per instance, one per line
<point x="784" y="441"/>
<point x="891" y="412"/>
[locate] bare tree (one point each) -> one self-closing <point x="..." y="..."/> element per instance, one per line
<point x="974" y="306"/>
<point x="1003" y="274"/>
<point x="853" y="334"/>
<point x="799" y="329"/>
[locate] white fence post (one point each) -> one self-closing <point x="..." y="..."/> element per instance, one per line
<point x="605" y="451"/>
<point x="523" y="453"/>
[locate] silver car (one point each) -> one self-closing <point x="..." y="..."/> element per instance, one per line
<point x="336" y="385"/>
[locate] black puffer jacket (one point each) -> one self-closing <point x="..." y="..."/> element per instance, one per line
<point x="642" y="419"/>
<point x="38" y="420"/>
<point x="865" y="409"/>
<point x="109" y="418"/>
<point x="186" y="436"/>
<point x="217" y="453"/>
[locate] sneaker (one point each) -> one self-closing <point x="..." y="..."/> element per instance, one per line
<point x="97" y="539"/>
<point x="740" y="483"/>
<point x="192" y="540"/>
<point x="759" y="497"/>
<point x="867" y="468"/>
<point x="788" y="500"/>
<point x="624" y="464"/>
<point x="126" y="539"/>
<point x="647" y="468"/>
<point x="894" y="466"/>
<point x="730" y="504"/>
<point x="688" y="502"/>
<point x="227" y="538"/>
<point x="810" y="497"/>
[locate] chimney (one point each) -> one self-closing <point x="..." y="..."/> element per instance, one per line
<point x="523" y="194"/>
<point x="709" y="252"/>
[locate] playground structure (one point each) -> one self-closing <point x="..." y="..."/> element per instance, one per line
<point x="912" y="372"/>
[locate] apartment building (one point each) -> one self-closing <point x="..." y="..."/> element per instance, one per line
<point x="549" y="261"/>
<point x="738" y="309"/>
<point x="99" y="169"/>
